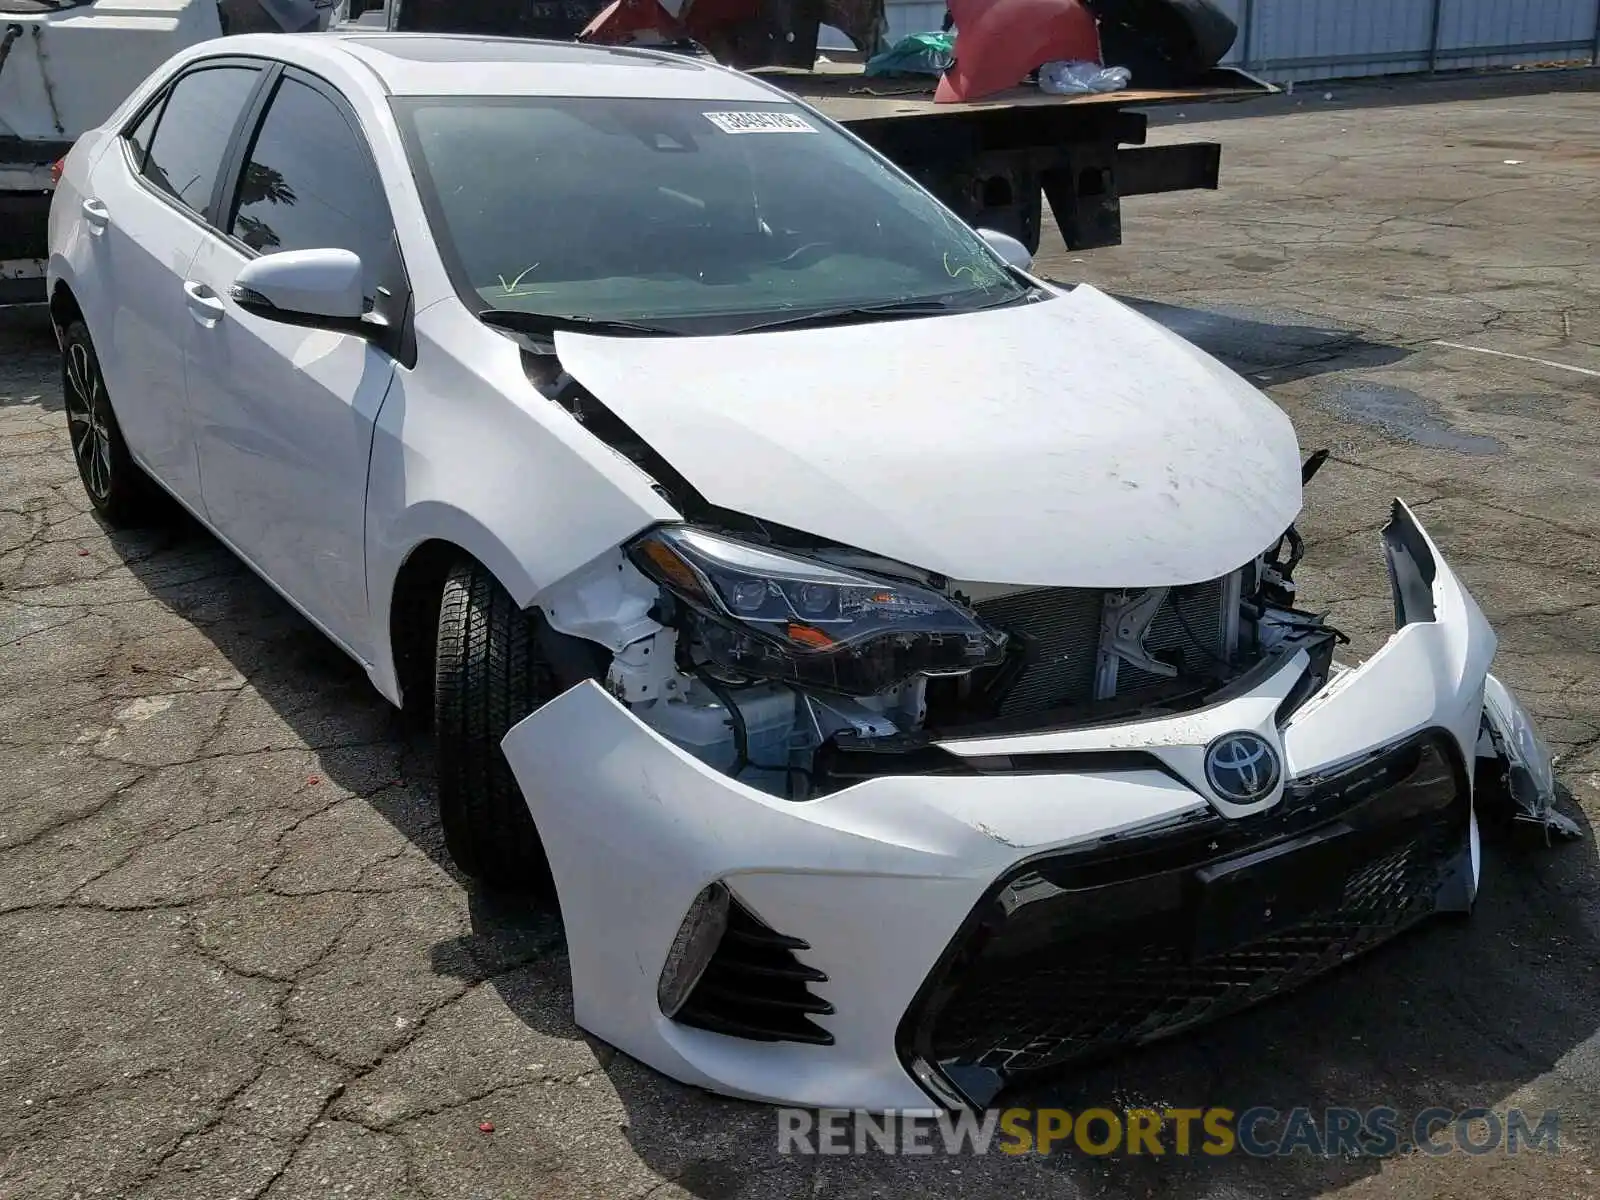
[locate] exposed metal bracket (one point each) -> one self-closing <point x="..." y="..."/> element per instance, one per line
<point x="1124" y="620"/>
<point x="825" y="717"/>
<point x="1232" y="594"/>
<point x="646" y="670"/>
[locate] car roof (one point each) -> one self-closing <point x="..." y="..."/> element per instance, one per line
<point x="412" y="64"/>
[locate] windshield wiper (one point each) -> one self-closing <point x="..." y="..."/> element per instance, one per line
<point x="855" y="314"/>
<point x="519" y="320"/>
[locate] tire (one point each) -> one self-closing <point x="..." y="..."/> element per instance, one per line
<point x="488" y="675"/>
<point x="118" y="488"/>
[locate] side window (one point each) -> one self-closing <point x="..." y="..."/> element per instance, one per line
<point x="139" y="136"/>
<point x="309" y="184"/>
<point x="192" y="134"/>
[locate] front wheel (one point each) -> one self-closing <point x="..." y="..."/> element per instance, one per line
<point x="489" y="674"/>
<point x="119" y="490"/>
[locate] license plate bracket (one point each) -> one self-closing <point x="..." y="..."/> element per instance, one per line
<point x="1250" y="897"/>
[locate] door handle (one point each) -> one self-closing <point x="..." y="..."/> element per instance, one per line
<point x="96" y="214"/>
<point x="205" y="306"/>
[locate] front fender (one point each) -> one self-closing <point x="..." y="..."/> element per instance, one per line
<point x="467" y="451"/>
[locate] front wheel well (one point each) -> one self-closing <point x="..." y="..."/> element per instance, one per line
<point x="414" y="629"/>
<point x="414" y="621"/>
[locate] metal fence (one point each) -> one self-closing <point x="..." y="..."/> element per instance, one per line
<point x="1284" y="40"/>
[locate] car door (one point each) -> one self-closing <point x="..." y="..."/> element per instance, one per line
<point x="145" y="207"/>
<point x="284" y="414"/>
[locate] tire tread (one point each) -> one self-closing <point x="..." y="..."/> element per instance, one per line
<point x="488" y="676"/>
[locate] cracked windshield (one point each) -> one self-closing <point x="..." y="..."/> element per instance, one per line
<point x="633" y="209"/>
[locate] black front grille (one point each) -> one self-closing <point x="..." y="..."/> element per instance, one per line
<point x="1074" y="956"/>
<point x="1060" y="630"/>
<point x="755" y="988"/>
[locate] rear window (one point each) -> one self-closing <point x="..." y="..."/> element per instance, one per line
<point x="193" y="130"/>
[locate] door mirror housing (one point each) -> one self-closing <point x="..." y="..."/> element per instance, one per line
<point x="1008" y="248"/>
<point x="319" y="289"/>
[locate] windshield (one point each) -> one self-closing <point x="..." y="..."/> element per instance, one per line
<point x="680" y="211"/>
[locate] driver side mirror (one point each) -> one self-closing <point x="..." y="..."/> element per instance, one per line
<point x="1008" y="248"/>
<point x="317" y="289"/>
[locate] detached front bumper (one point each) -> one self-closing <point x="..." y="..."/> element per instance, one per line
<point x="941" y="935"/>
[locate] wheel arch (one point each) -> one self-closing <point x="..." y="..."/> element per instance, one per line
<point x="408" y="587"/>
<point x="64" y="308"/>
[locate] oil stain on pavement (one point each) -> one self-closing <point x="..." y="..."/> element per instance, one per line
<point x="1402" y="413"/>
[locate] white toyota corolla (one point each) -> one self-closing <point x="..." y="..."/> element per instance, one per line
<point x="890" y="661"/>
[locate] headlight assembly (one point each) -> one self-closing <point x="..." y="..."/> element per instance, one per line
<point x="779" y="616"/>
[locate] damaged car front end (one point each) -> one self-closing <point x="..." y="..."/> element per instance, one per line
<point x="838" y="831"/>
<point x="932" y="706"/>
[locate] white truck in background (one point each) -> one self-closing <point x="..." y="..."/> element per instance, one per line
<point x="65" y="65"/>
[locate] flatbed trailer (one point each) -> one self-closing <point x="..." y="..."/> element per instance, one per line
<point x="997" y="161"/>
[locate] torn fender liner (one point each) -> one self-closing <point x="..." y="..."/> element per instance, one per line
<point x="1430" y="673"/>
<point x="1412" y="569"/>
<point x="1530" y="780"/>
<point x="1017" y="444"/>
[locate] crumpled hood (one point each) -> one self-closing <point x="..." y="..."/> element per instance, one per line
<point x="1068" y="443"/>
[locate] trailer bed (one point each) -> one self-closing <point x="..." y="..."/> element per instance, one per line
<point x="997" y="160"/>
<point x="845" y="93"/>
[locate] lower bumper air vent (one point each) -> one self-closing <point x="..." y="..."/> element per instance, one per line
<point x="756" y="988"/>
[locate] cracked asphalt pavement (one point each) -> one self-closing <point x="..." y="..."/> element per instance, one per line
<point x="235" y="961"/>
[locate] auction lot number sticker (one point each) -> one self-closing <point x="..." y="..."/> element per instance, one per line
<point x="760" y="122"/>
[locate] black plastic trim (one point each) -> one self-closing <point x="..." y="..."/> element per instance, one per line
<point x="756" y="989"/>
<point x="1315" y="677"/>
<point x="847" y="759"/>
<point x="1412" y="569"/>
<point x="1189" y="840"/>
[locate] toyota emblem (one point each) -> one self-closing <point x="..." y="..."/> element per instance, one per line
<point x="1242" y="767"/>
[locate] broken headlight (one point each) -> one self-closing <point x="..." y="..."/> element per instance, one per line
<point x="778" y="616"/>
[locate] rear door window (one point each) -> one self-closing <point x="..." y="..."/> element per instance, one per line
<point x="192" y="134"/>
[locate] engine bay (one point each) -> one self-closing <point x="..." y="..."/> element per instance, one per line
<point x="799" y="741"/>
<point x="799" y="666"/>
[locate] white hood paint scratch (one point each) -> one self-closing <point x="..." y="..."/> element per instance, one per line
<point x="1069" y="443"/>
